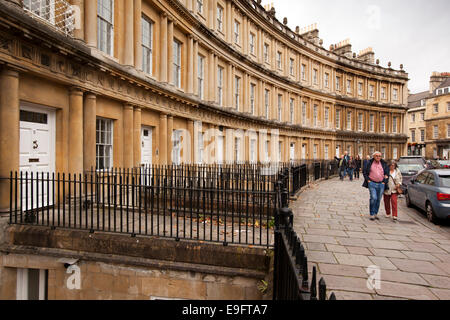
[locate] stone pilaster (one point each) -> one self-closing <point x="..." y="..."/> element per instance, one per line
<point x="170" y="49"/>
<point x="75" y="131"/>
<point x="190" y="64"/>
<point x="163" y="53"/>
<point x="90" y="23"/>
<point x="162" y="139"/>
<point x="137" y="119"/>
<point x="138" y="35"/>
<point x="89" y="131"/>
<point x="128" y="136"/>
<point x="169" y="139"/>
<point x="9" y="131"/>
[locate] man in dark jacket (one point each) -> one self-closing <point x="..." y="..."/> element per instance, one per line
<point x="376" y="174"/>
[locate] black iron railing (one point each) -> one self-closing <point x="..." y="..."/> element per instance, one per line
<point x="226" y="204"/>
<point x="291" y="276"/>
<point x="300" y="173"/>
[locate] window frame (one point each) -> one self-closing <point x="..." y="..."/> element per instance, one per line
<point x="147" y="50"/>
<point x="107" y="147"/>
<point x="220" y="71"/>
<point x="177" y="63"/>
<point x="201" y="76"/>
<point x="109" y="31"/>
<point x="219" y="18"/>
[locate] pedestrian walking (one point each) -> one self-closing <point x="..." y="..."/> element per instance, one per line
<point x="343" y="165"/>
<point x="358" y="166"/>
<point x="392" y="192"/>
<point x="351" y="168"/>
<point x="376" y="174"/>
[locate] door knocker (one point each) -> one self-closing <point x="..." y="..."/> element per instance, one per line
<point x="35" y="145"/>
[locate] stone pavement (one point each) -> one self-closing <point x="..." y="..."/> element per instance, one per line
<point x="332" y="220"/>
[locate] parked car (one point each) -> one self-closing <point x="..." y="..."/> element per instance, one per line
<point x="413" y="160"/>
<point x="430" y="191"/>
<point x="408" y="172"/>
<point x="444" y="164"/>
<point x="433" y="164"/>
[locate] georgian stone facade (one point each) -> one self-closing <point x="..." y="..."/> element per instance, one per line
<point x="150" y="69"/>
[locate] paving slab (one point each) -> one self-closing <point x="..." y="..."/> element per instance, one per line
<point x="342" y="270"/>
<point x="421" y="267"/>
<point x="353" y="259"/>
<point x="420" y="256"/>
<point x="408" y="291"/>
<point x="402" y="277"/>
<point x="387" y="244"/>
<point x="321" y="256"/>
<point x="437" y="281"/>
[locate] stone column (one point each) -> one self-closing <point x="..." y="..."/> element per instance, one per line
<point x="190" y="64"/>
<point x="138" y="35"/>
<point x="90" y="23"/>
<point x="137" y="123"/>
<point x="76" y="131"/>
<point x="9" y="131"/>
<point x="170" y="52"/>
<point x="169" y="138"/>
<point x="229" y="22"/>
<point x="128" y="136"/>
<point x="89" y="131"/>
<point x="128" y="50"/>
<point x="163" y="53"/>
<point x="162" y="139"/>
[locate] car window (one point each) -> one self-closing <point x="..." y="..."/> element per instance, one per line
<point x="421" y="178"/>
<point x="444" y="181"/>
<point x="430" y="180"/>
<point x="406" y="168"/>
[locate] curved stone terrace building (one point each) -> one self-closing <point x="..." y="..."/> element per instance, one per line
<point x="120" y="83"/>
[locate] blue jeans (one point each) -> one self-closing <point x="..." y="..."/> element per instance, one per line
<point x="376" y="193"/>
<point x="342" y="172"/>
<point x="350" y="173"/>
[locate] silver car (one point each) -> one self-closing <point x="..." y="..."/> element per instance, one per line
<point x="430" y="191"/>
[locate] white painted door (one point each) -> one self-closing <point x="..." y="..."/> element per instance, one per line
<point x="37" y="153"/>
<point x="146" y="154"/>
<point x="292" y="152"/>
<point x="219" y="149"/>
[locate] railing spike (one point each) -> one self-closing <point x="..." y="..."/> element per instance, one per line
<point x="313" y="287"/>
<point x="322" y="290"/>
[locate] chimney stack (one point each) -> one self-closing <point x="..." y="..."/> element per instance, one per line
<point x="343" y="48"/>
<point x="437" y="78"/>
<point x="367" y="55"/>
<point x="311" y="33"/>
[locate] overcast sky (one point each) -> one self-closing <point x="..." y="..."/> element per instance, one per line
<point x="415" y="33"/>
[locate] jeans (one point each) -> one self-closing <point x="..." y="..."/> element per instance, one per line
<point x="342" y="172"/>
<point x="376" y="193"/>
<point x="350" y="173"/>
<point x="357" y="173"/>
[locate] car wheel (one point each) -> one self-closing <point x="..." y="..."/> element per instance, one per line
<point x="408" y="200"/>
<point x="430" y="213"/>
